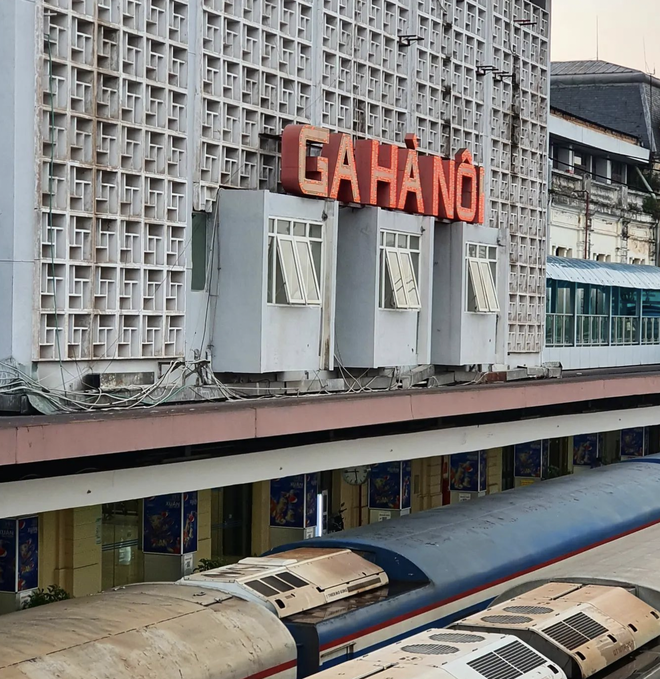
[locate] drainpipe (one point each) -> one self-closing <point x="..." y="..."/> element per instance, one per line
<point x="586" y="225"/>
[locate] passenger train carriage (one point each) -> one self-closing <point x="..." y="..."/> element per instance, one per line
<point x="313" y="605"/>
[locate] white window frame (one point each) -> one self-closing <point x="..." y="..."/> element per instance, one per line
<point x="481" y="275"/>
<point x="290" y="248"/>
<point x="398" y="252"/>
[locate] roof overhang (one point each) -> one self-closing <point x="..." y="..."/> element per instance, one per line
<point x="611" y="144"/>
<point x="607" y="274"/>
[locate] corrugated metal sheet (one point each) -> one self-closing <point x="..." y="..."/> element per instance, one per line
<point x="591" y="67"/>
<point x="604" y="273"/>
<point x="144" y="631"/>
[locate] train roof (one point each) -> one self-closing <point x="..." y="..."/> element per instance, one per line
<point x="142" y="631"/>
<point x="473" y="545"/>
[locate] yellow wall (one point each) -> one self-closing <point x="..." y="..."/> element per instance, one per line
<point x="494" y="470"/>
<point x="203" y="525"/>
<point x="70" y="550"/>
<point x="260" y="517"/>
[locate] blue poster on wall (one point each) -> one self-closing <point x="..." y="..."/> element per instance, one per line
<point x="189" y="522"/>
<point x="385" y="486"/>
<point x="287" y="502"/>
<point x="528" y="460"/>
<point x="161" y="531"/>
<point x="585" y="449"/>
<point x="406" y="474"/>
<point x="7" y="555"/>
<point x="633" y="442"/>
<point x="464" y="472"/>
<point x="28" y="553"/>
<point x="311" y="491"/>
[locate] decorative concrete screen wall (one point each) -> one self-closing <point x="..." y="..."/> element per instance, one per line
<point x="144" y="108"/>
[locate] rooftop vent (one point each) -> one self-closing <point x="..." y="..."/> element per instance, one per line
<point x="507" y="619"/>
<point x="457" y="638"/>
<point x="509" y="662"/>
<point x="575" y="631"/>
<point x="581" y="628"/>
<point x="295" y="581"/>
<point x="430" y="649"/>
<point x="528" y="610"/>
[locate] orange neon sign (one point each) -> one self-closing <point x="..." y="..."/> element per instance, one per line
<point x="384" y="175"/>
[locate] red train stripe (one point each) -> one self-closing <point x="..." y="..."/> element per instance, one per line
<point x="273" y="670"/>
<point x="481" y="588"/>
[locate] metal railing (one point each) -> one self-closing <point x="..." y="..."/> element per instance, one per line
<point x="625" y="330"/>
<point x="650" y="330"/>
<point x="592" y="330"/>
<point x="559" y="330"/>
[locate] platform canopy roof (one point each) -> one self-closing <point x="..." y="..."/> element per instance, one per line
<point x="604" y="273"/>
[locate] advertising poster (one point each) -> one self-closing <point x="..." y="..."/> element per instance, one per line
<point x="385" y="486"/>
<point x="585" y="449"/>
<point x="189" y="522"/>
<point x="528" y="460"/>
<point x="28" y="553"/>
<point x="633" y="442"/>
<point x="287" y="502"/>
<point x="464" y="472"/>
<point x="7" y="555"/>
<point x="161" y="533"/>
<point x="406" y="475"/>
<point x="483" y="469"/>
<point x="311" y="491"/>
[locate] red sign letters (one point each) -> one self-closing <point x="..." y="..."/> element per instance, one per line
<point x="384" y="175"/>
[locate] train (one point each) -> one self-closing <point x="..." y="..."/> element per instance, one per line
<point x="321" y="604"/>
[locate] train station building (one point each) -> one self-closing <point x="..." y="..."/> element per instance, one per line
<point x="272" y="264"/>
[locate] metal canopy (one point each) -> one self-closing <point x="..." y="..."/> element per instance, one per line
<point x="604" y="273"/>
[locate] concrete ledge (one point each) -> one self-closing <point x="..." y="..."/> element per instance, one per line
<point x="43" y="438"/>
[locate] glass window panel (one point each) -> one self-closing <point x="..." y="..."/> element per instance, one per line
<point x="396" y="279"/>
<point x="307" y="273"/>
<point x="299" y="229"/>
<point x="283" y="226"/>
<point x="409" y="281"/>
<point x="291" y="278"/>
<point x="651" y="303"/>
<point x="317" y="251"/>
<point x="489" y="287"/>
<point x="472" y="250"/>
<point x="315" y="231"/>
<point x="390" y="239"/>
<point x="581" y="299"/>
<point x="415" y="262"/>
<point x="492" y="253"/>
<point x="402" y="240"/>
<point x="483" y="251"/>
<point x="414" y="242"/>
<point x="625" y="302"/>
<point x="271" y="226"/>
<point x="199" y="251"/>
<point x="565" y="297"/>
<point x="280" y="288"/>
<point x="477" y="286"/>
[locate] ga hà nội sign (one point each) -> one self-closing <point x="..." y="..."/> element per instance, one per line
<point x="317" y="163"/>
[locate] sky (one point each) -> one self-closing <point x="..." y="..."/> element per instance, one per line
<point x="629" y="32"/>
